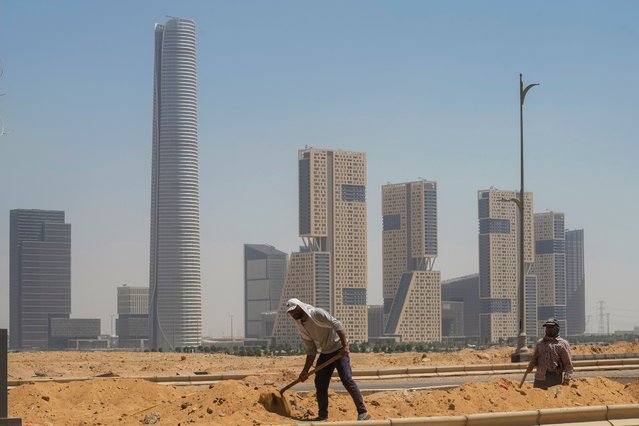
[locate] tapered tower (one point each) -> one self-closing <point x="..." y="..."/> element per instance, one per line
<point x="175" y="296"/>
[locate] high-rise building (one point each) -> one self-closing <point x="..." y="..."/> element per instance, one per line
<point x="550" y="269"/>
<point x="375" y="320"/>
<point x="575" y="283"/>
<point x="40" y="275"/>
<point x="452" y="319"/>
<point x="133" y="300"/>
<point x="331" y="269"/>
<point x="267" y="322"/>
<point x="465" y="290"/>
<point x="498" y="264"/>
<point x="132" y="324"/>
<point x="66" y="332"/>
<point x="264" y="272"/>
<point x="175" y="305"/>
<point x="412" y="290"/>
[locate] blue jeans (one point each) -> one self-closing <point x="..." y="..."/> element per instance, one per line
<point x="323" y="379"/>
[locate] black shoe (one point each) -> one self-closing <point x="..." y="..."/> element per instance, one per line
<point x="318" y="419"/>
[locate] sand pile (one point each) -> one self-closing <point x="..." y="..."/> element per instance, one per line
<point x="99" y="401"/>
<point x="25" y="365"/>
<point x="131" y="402"/>
<point x="499" y="396"/>
<point x="107" y="401"/>
<point x="619" y="347"/>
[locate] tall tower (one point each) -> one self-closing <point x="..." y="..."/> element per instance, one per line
<point x="132" y="324"/>
<point x="175" y="295"/>
<point x="575" y="283"/>
<point x="465" y="290"/>
<point x="498" y="264"/>
<point x="264" y="272"/>
<point x="412" y="290"/>
<point x="330" y="271"/>
<point x="40" y="275"/>
<point x="550" y="268"/>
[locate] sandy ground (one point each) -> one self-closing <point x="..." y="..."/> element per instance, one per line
<point x="25" y="365"/>
<point x="106" y="401"/>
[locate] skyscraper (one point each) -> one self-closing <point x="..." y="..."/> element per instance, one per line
<point x="412" y="290"/>
<point x="550" y="268"/>
<point x="40" y="275"/>
<point x="466" y="290"/>
<point x="452" y="319"/>
<point x="375" y="320"/>
<point x="264" y="272"/>
<point x="331" y="269"/>
<point x="575" y="282"/>
<point x="498" y="265"/>
<point x="133" y="300"/>
<point x="132" y="324"/>
<point x="175" y="295"/>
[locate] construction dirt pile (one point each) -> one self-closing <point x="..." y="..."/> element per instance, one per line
<point x="25" y="365"/>
<point x="111" y="401"/>
<point x="121" y="397"/>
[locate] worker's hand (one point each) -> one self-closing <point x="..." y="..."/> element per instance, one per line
<point x="345" y="350"/>
<point x="303" y="376"/>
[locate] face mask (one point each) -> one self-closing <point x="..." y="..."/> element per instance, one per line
<point x="553" y="331"/>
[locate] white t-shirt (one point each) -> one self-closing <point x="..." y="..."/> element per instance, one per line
<point x="321" y="327"/>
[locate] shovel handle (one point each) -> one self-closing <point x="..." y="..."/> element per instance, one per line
<point x="528" y="370"/>
<point x="313" y="371"/>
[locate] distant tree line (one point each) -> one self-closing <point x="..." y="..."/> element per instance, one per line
<point x="447" y="345"/>
<point x="286" y="350"/>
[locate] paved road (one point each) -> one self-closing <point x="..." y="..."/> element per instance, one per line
<point x="369" y="385"/>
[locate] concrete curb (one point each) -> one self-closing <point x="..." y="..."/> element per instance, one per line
<point x="615" y="415"/>
<point x="369" y="374"/>
<point x="486" y="369"/>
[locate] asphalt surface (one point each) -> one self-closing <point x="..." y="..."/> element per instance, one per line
<point x="369" y="385"/>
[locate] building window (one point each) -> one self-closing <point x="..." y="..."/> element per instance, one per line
<point x="354" y="193"/>
<point x="391" y="222"/>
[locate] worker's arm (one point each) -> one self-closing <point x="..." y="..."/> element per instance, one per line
<point x="307" y="366"/>
<point x="566" y="361"/>
<point x="344" y="340"/>
<point x="533" y="361"/>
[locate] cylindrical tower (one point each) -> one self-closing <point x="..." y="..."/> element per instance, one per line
<point x="175" y="296"/>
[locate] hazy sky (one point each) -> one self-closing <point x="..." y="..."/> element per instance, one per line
<point x="426" y="89"/>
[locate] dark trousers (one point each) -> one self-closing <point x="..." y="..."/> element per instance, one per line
<point x="552" y="379"/>
<point x="323" y="379"/>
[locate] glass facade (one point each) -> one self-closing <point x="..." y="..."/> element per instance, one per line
<point x="40" y="275"/>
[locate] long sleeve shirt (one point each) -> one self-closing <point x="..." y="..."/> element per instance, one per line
<point x="552" y="355"/>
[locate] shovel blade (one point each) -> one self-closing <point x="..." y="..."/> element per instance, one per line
<point x="276" y="403"/>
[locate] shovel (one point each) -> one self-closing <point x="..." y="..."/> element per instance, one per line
<point x="277" y="403"/>
<point x="523" y="379"/>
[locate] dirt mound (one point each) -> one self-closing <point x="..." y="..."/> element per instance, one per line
<point x="106" y="401"/>
<point x="497" y="396"/>
<point x="633" y="389"/>
<point x="616" y="348"/>
<point x="26" y="365"/>
<point x="128" y="402"/>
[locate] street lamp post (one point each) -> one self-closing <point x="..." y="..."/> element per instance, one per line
<point x="521" y="354"/>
